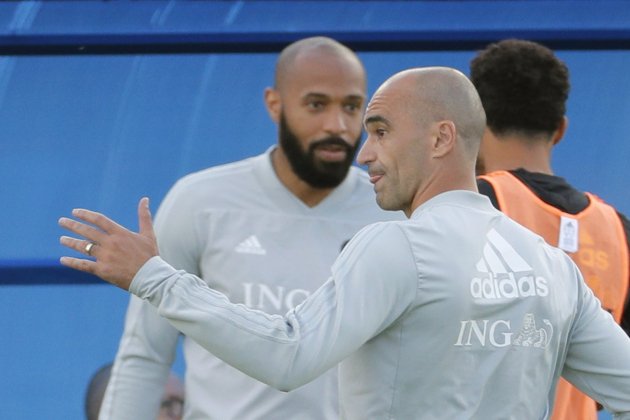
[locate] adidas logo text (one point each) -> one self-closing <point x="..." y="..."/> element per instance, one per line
<point x="510" y="288"/>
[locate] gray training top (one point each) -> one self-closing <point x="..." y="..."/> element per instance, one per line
<point x="241" y="230"/>
<point x="456" y="313"/>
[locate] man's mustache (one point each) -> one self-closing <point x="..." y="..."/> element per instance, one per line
<point x="331" y="141"/>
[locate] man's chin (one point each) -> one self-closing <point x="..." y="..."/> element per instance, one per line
<point x="327" y="178"/>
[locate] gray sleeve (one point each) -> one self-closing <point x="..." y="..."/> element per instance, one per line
<point x="142" y="365"/>
<point x="372" y="283"/>
<point x="149" y="342"/>
<point x="598" y="356"/>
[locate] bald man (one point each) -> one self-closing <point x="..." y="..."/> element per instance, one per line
<point x="264" y="231"/>
<point x="456" y="313"/>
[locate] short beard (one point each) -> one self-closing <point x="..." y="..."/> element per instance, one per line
<point x="305" y="164"/>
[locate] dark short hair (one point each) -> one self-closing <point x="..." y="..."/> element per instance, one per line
<point x="523" y="86"/>
<point x="96" y="390"/>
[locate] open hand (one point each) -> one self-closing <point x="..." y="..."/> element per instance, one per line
<point x="118" y="252"/>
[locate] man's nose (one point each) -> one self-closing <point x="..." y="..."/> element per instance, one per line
<point x="366" y="154"/>
<point x="335" y="122"/>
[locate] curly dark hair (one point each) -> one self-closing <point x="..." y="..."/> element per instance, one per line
<point x="523" y="86"/>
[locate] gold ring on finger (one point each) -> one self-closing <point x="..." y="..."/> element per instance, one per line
<point x="88" y="248"/>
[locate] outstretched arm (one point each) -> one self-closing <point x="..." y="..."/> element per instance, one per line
<point x="119" y="253"/>
<point x="355" y="304"/>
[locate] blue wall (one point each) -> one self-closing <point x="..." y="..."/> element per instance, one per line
<point x="104" y="102"/>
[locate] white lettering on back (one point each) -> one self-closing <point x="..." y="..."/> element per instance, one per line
<point x="262" y="296"/>
<point x="479" y="330"/>
<point x="499" y="333"/>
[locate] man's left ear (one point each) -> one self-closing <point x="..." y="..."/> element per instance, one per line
<point x="559" y="133"/>
<point x="273" y="102"/>
<point x="445" y="140"/>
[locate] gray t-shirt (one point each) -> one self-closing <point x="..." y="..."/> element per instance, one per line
<point x="237" y="227"/>
<point x="457" y="313"/>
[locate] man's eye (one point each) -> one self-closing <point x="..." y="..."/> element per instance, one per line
<point x="316" y="105"/>
<point x="352" y="107"/>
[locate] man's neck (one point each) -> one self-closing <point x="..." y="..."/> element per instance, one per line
<point x="511" y="153"/>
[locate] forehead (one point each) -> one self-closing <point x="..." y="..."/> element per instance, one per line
<point x="325" y="73"/>
<point x="391" y="103"/>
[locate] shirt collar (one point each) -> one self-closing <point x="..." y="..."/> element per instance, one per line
<point x="455" y="197"/>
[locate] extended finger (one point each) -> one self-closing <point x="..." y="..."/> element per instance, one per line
<point x="82" y="229"/>
<point x="79" y="245"/>
<point x="145" y="221"/>
<point x="97" y="219"/>
<point x="79" y="264"/>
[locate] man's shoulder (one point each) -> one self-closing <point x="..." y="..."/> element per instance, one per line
<point x="379" y="235"/>
<point x="217" y="186"/>
<point x="219" y="176"/>
<point x="225" y="170"/>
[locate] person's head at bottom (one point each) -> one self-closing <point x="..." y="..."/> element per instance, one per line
<point x="172" y="404"/>
<point x="171" y="407"/>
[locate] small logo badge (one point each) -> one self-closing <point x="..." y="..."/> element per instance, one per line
<point x="568" y="237"/>
<point x="530" y="336"/>
<point x="251" y="245"/>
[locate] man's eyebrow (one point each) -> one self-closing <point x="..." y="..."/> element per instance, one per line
<point x="314" y="95"/>
<point x="357" y="98"/>
<point x="318" y="95"/>
<point x="376" y="119"/>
